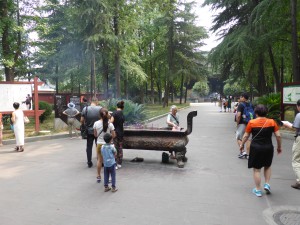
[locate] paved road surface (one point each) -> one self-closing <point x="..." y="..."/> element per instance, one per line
<point x="50" y="184"/>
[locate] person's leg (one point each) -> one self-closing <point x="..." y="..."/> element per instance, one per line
<point x="1" y="135"/>
<point x="267" y="174"/>
<point x="296" y="159"/>
<point x="99" y="160"/>
<point x="70" y="127"/>
<point x="106" y="176"/>
<point x="257" y="179"/>
<point x="113" y="176"/>
<point x="89" y="146"/>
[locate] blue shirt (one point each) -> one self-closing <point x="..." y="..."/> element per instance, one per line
<point x="107" y="151"/>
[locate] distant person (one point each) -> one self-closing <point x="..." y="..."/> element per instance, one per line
<point x="18" y="124"/>
<point x="28" y="102"/>
<point x="108" y="152"/>
<point x="173" y="123"/>
<point x="296" y="147"/>
<point x="1" y="129"/>
<point x="224" y="103"/>
<point x="101" y="127"/>
<point x="229" y="101"/>
<point x="71" y="112"/>
<point x="84" y="103"/>
<point x="118" y="120"/>
<point x="261" y="147"/>
<point x="89" y="115"/>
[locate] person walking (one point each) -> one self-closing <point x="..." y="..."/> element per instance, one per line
<point x="108" y="152"/>
<point x="118" y="120"/>
<point x="17" y="119"/>
<point x="89" y="115"/>
<point x="296" y="147"/>
<point x="261" y="147"/>
<point x="242" y="121"/>
<point x="71" y="112"/>
<point x="101" y="127"/>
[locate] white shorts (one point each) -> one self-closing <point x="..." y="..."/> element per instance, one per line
<point x="240" y="131"/>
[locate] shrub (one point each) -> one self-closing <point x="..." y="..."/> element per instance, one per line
<point x="133" y="112"/>
<point x="48" y="110"/>
<point x="272" y="102"/>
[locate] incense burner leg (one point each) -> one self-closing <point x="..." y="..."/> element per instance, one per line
<point x="180" y="157"/>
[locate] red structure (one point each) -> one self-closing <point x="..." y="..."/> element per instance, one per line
<point x="31" y="113"/>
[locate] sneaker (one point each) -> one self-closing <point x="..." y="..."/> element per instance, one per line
<point x="296" y="185"/>
<point x="267" y="188"/>
<point x="258" y="193"/>
<point x="106" y="189"/>
<point x="114" y="189"/>
<point x="90" y="164"/>
<point x="243" y="155"/>
<point x="119" y="166"/>
<point x="98" y="179"/>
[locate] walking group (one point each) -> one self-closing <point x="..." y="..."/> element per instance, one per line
<point x="259" y="150"/>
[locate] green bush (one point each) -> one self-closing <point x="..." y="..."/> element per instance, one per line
<point x="133" y="112"/>
<point x="48" y="110"/>
<point x="272" y="102"/>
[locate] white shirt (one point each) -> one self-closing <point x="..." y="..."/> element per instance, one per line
<point x="98" y="125"/>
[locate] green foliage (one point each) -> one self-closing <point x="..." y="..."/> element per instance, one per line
<point x="272" y="102"/>
<point x="48" y="110"/>
<point x="201" y="88"/>
<point x="133" y="112"/>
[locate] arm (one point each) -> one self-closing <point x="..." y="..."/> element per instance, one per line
<point x="95" y="132"/>
<point x="113" y="134"/>
<point x="82" y="120"/>
<point x="13" y="117"/>
<point x="238" y="118"/>
<point x="278" y="139"/>
<point x="244" y="139"/>
<point x="112" y="119"/>
<point x="170" y="123"/>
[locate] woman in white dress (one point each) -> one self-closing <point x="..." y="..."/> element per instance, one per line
<point x="19" y="128"/>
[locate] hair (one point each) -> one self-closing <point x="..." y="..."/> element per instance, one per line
<point x="107" y="137"/>
<point x="261" y="110"/>
<point x="84" y="99"/>
<point x="245" y="95"/>
<point x="120" y="104"/>
<point x="173" y="107"/>
<point x="16" y="105"/>
<point x="104" y="117"/>
<point x="298" y="102"/>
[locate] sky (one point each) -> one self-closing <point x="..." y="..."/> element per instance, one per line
<point x="205" y="17"/>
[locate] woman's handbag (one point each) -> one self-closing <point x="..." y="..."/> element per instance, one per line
<point x="26" y="120"/>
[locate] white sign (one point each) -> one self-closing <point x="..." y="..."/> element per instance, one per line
<point x="10" y="93"/>
<point x="291" y="94"/>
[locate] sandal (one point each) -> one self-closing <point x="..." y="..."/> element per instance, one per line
<point x="21" y="149"/>
<point x="16" y="149"/>
<point x="98" y="179"/>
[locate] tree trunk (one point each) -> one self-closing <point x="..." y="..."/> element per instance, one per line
<point x="295" y="50"/>
<point x="105" y="78"/>
<point x="275" y="72"/>
<point x="186" y="90"/>
<point x="261" y="76"/>
<point x="93" y="77"/>
<point x="181" y="88"/>
<point x="117" y="54"/>
<point x="151" y="75"/>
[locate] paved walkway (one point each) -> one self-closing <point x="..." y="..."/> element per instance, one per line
<point x="50" y="184"/>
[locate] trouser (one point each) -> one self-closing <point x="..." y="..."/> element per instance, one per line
<point x="71" y="124"/>
<point x="119" y="147"/>
<point x="296" y="158"/>
<point x="89" y="146"/>
<point x="112" y="172"/>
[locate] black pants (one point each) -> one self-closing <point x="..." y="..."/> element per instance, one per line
<point x="89" y="146"/>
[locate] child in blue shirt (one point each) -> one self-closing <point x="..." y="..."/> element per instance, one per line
<point x="108" y="152"/>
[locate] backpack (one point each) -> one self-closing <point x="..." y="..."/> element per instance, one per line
<point x="248" y="112"/>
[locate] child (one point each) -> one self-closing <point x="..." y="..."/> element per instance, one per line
<point x="108" y="152"/>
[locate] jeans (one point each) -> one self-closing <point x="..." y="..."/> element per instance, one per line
<point x="112" y="171"/>
<point x="89" y="146"/>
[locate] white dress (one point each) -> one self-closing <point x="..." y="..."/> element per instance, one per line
<point x="19" y="129"/>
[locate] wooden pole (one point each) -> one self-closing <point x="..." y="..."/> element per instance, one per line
<point x="36" y="105"/>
